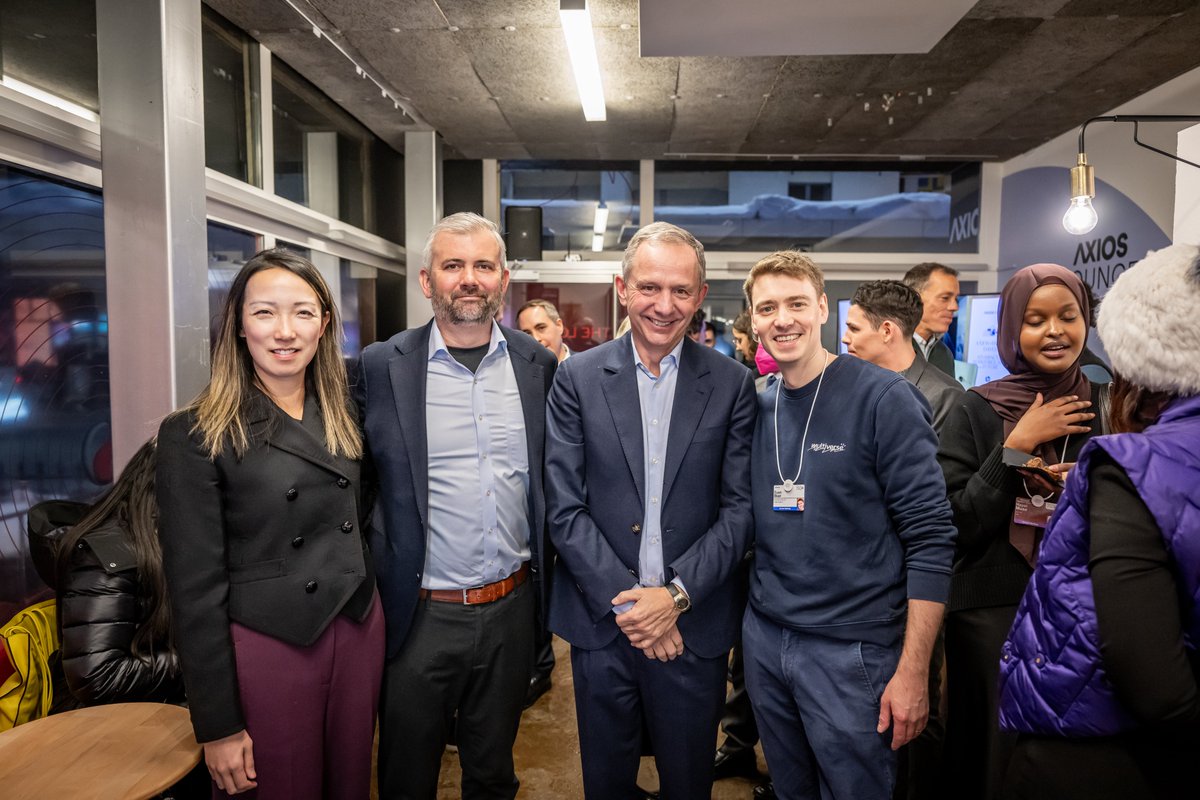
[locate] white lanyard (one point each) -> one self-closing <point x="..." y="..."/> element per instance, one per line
<point x="787" y="485"/>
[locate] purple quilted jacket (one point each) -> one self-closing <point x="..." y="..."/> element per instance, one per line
<point x="1052" y="678"/>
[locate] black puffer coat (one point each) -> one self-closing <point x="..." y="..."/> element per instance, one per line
<point x="100" y="612"/>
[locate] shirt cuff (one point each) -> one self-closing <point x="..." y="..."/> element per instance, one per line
<point x="621" y="609"/>
<point x="932" y="586"/>
<point x="679" y="582"/>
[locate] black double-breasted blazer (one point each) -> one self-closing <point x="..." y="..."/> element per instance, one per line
<point x="272" y="540"/>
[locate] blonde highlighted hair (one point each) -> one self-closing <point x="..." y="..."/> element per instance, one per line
<point x="791" y="263"/>
<point x="220" y="408"/>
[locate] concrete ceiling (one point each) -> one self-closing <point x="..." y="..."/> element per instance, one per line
<point x="494" y="78"/>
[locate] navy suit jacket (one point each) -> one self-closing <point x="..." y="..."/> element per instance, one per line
<point x="390" y="392"/>
<point x="595" y="492"/>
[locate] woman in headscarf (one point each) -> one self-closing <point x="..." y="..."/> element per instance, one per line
<point x="1100" y="674"/>
<point x="1043" y="409"/>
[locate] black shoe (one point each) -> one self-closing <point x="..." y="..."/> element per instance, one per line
<point x="734" y="764"/>
<point x="765" y="791"/>
<point x="646" y="794"/>
<point x="538" y="686"/>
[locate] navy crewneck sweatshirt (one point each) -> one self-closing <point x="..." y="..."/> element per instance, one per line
<point x="877" y="528"/>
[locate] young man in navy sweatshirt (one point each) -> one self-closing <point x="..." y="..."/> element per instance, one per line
<point x="854" y="545"/>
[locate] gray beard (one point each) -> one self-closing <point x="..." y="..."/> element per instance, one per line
<point x="445" y="308"/>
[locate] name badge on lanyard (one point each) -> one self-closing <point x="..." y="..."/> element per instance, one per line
<point x="788" y="496"/>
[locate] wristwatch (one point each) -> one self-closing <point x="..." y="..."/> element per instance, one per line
<point x="682" y="601"/>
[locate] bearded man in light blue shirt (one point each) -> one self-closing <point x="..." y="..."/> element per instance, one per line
<point x="454" y="419"/>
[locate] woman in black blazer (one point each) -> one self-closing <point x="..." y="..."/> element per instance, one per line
<point x="273" y="600"/>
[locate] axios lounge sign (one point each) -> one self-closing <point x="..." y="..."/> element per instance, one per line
<point x="1031" y="231"/>
<point x="1100" y="260"/>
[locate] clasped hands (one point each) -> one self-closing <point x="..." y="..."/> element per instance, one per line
<point x="650" y="624"/>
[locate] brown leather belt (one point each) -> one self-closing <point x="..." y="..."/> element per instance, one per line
<point x="488" y="593"/>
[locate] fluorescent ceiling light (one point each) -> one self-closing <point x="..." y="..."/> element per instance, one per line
<point x="601" y="223"/>
<point x="581" y="46"/>
<point x="597" y="242"/>
<point x="50" y="99"/>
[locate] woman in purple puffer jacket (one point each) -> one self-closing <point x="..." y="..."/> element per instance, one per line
<point x="1100" y="673"/>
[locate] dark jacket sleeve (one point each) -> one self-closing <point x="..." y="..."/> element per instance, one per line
<point x="598" y="570"/>
<point x="1137" y="602"/>
<point x="191" y="528"/>
<point x="979" y="485"/>
<point x="100" y="614"/>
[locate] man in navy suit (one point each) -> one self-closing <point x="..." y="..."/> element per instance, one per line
<point x="454" y="414"/>
<point x="647" y="487"/>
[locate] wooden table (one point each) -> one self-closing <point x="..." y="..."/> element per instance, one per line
<point x="125" y="751"/>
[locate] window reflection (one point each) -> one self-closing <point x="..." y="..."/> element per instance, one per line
<point x="933" y="208"/>
<point x="229" y="135"/>
<point x="55" y="437"/>
<point x="570" y="195"/>
<point x="321" y="152"/>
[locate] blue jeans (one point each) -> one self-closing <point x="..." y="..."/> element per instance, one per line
<point x="816" y="700"/>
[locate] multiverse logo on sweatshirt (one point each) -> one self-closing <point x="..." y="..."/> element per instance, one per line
<point x="822" y="447"/>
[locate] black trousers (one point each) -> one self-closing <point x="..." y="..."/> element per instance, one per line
<point x="543" y="663"/>
<point x="977" y="752"/>
<point x="473" y="661"/>
<point x="1136" y="766"/>
<point x="919" y="774"/>
<point x="741" y="732"/>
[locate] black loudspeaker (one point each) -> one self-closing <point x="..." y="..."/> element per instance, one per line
<point x="523" y="237"/>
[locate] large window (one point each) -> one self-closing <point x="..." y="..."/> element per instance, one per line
<point x="920" y="208"/>
<point x="55" y="439"/>
<point x="230" y="129"/>
<point x="322" y="154"/>
<point x="573" y="197"/>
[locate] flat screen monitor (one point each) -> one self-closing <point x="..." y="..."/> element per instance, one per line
<point x="977" y="361"/>
<point x="843" y="310"/>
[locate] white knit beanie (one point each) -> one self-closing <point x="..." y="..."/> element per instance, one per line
<point x="1150" y="321"/>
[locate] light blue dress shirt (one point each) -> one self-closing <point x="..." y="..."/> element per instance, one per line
<point x="478" y="468"/>
<point x="926" y="347"/>
<point x="656" y="396"/>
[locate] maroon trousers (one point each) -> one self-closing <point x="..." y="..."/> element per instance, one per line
<point x="310" y="711"/>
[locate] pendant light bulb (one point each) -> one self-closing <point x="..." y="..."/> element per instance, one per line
<point x="1081" y="216"/>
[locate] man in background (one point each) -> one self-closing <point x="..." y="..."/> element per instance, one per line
<point x="541" y="320"/>
<point x="879" y="329"/>
<point x="937" y="285"/>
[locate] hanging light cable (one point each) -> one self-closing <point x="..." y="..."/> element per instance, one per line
<point x="1081" y="216"/>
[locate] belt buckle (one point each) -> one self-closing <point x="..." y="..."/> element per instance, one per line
<point x="466" y="597"/>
